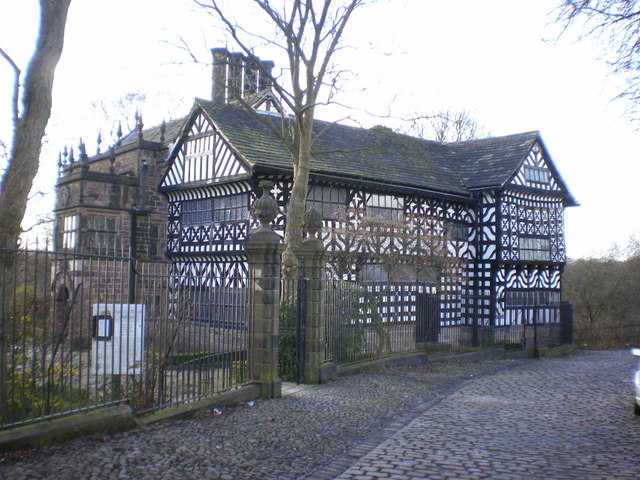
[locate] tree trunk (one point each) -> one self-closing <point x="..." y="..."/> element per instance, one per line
<point x="28" y="132"/>
<point x="296" y="210"/>
<point x="30" y="127"/>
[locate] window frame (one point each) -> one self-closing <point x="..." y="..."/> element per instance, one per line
<point x="70" y="231"/>
<point x="101" y="232"/>
<point x="385" y="206"/>
<point x="532" y="298"/>
<point x="224" y="209"/>
<point x="327" y="200"/>
<point x="534" y="248"/>
<point x="538" y="175"/>
<point x="201" y="214"/>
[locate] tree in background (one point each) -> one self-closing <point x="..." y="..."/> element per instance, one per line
<point x="447" y="125"/>
<point x="309" y="31"/>
<point x="605" y="298"/>
<point x="30" y="121"/>
<point x="617" y="23"/>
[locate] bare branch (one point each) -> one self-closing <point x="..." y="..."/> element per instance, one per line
<point x="447" y="126"/>
<point x="16" y="87"/>
<point x="41" y="220"/>
<point x="617" y="23"/>
<point x="310" y="32"/>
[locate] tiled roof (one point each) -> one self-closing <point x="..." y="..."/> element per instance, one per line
<point x="153" y="134"/>
<point x="380" y="155"/>
<point x="375" y="154"/>
<point x="490" y="162"/>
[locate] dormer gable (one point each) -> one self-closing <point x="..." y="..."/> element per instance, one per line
<point x="535" y="172"/>
<point x="538" y="172"/>
<point x="202" y="155"/>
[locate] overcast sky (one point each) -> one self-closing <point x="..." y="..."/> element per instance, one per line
<point x="497" y="59"/>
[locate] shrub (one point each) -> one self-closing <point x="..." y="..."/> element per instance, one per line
<point x="287" y="345"/>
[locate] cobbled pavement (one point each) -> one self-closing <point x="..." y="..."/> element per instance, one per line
<point x="550" y="418"/>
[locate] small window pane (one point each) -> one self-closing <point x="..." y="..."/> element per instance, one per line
<point x="328" y="201"/>
<point x="532" y="248"/>
<point x="374" y="273"/>
<point x="70" y="231"/>
<point x="388" y="207"/>
<point x="537" y="175"/>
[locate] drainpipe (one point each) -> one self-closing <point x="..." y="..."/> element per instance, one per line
<point x="133" y="232"/>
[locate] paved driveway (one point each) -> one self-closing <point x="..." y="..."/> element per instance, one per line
<point x="563" y="418"/>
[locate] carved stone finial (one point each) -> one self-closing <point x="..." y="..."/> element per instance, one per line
<point x="99" y="141"/>
<point x="119" y="133"/>
<point x="265" y="208"/>
<point x="71" y="159"/>
<point x="112" y="160"/>
<point x="139" y="124"/>
<point x="163" y="129"/>
<point x="83" y="151"/>
<point x="312" y="222"/>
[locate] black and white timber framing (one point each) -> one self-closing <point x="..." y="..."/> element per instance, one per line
<point x="493" y="208"/>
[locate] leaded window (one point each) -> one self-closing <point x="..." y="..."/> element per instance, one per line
<point x="537" y="175"/>
<point x="70" y="231"/>
<point x="532" y="298"/>
<point x="534" y="248"/>
<point x="198" y="159"/>
<point x="374" y="273"/>
<point x="328" y="201"/>
<point x="197" y="212"/>
<point x="457" y="231"/>
<point x="232" y="208"/>
<point x="388" y="207"/>
<point x="101" y="232"/>
<point x="220" y="307"/>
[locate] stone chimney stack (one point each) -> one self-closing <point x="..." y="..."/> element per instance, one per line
<point x="236" y="75"/>
<point x="265" y="80"/>
<point x="219" y="76"/>
<point x="234" y="80"/>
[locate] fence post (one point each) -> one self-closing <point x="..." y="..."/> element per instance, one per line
<point x="312" y="252"/>
<point x="264" y="252"/>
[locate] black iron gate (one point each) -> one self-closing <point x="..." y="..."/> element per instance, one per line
<point x="427" y="318"/>
<point x="291" y="336"/>
<point x="566" y="322"/>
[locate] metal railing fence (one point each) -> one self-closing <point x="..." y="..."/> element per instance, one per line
<point x="365" y="321"/>
<point x="80" y="331"/>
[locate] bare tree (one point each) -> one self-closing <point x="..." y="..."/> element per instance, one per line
<point x="403" y="250"/>
<point x="447" y="125"/>
<point x="28" y="130"/>
<point x="616" y="22"/>
<point x="30" y="121"/>
<point x="603" y="292"/>
<point x="309" y="31"/>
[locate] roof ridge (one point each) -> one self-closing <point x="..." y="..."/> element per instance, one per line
<point x="520" y="134"/>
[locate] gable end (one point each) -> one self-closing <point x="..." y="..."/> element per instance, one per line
<point x="202" y="156"/>
<point x="536" y="172"/>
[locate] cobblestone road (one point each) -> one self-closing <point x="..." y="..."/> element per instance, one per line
<point x="561" y="418"/>
<point x="564" y="418"/>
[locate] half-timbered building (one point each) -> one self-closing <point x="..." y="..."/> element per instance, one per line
<point x="492" y="209"/>
<point x="495" y="206"/>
